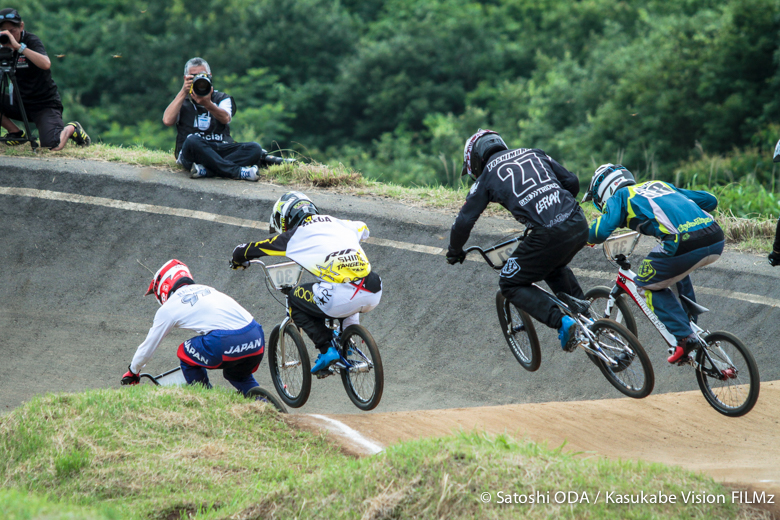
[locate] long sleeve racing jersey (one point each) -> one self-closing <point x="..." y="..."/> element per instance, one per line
<point x="529" y="183"/>
<point x="195" y="307"/>
<point x="658" y="209"/>
<point x="327" y="247"/>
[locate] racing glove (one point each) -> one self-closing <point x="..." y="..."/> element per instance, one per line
<point x="455" y="257"/>
<point x="236" y="265"/>
<point x="129" y="378"/>
<point x="774" y="258"/>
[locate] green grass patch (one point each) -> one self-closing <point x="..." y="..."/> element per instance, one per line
<point x="193" y="453"/>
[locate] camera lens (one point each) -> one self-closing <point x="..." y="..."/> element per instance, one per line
<point x="4" y="39"/>
<point x="201" y="86"/>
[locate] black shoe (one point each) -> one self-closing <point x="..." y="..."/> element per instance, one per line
<point x="19" y="134"/>
<point x="272" y="160"/>
<point x="79" y="135"/>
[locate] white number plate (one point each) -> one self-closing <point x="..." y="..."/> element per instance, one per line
<point x="621" y="244"/>
<point x="286" y="274"/>
<point x="172" y="378"/>
<point x="499" y="256"/>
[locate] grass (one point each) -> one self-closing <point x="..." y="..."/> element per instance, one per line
<point x="174" y="453"/>
<point x="745" y="213"/>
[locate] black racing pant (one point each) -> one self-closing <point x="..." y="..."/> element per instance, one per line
<point x="544" y="255"/>
<point x="220" y="159"/>
<point x="309" y="317"/>
<point x="48" y="120"/>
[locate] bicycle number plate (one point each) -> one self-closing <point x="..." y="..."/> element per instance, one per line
<point x="621" y="244"/>
<point x="502" y="252"/>
<point x="285" y="274"/>
<point x="171" y="378"/>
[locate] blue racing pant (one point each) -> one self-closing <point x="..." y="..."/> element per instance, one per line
<point x="237" y="353"/>
<point x="658" y="271"/>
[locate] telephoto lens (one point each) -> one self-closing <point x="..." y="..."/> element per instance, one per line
<point x="4" y="39"/>
<point x="201" y="85"/>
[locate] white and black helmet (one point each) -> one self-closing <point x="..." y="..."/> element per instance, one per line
<point x="478" y="149"/>
<point x="606" y="181"/>
<point x="290" y="210"/>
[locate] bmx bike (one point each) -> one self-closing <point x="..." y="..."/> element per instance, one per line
<point x="359" y="364"/>
<point x="726" y="372"/>
<point x="611" y="346"/>
<point x="175" y="377"/>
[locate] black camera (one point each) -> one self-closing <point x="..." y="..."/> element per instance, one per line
<point x="201" y="84"/>
<point x="4" y="39"/>
<point x="6" y="58"/>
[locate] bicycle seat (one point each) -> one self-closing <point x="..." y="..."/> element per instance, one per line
<point x="691" y="307"/>
<point x="577" y="306"/>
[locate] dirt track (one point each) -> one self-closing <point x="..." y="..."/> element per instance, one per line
<point x="71" y="279"/>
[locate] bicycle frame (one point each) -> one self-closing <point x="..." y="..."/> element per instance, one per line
<point x="497" y="255"/>
<point x="624" y="283"/>
<point x="284" y="277"/>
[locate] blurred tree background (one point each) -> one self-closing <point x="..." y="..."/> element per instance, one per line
<point x="685" y="91"/>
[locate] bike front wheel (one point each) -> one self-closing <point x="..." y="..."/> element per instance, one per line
<point x="633" y="374"/>
<point x="290" y="367"/>
<point x="363" y="379"/>
<point x="519" y="332"/>
<point x="265" y="395"/>
<point x="620" y="312"/>
<point x="727" y="374"/>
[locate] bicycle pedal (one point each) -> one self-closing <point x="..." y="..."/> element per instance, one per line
<point x="322" y="374"/>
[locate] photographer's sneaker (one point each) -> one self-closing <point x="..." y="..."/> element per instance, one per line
<point x="79" y="135"/>
<point x="198" y="171"/>
<point x="9" y="135"/>
<point x="249" y="173"/>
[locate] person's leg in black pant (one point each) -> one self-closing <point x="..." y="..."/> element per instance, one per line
<point x="243" y="154"/>
<point x="309" y="317"/>
<point x="544" y="255"/>
<point x="198" y="150"/>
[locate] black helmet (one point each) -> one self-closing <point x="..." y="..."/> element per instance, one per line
<point x="607" y="179"/>
<point x="290" y="210"/>
<point x="479" y="147"/>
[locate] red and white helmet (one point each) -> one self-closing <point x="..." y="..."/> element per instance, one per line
<point x="168" y="278"/>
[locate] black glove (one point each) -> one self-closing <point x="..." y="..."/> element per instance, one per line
<point x="455" y="257"/>
<point x="774" y="258"/>
<point x="236" y="265"/>
<point x="238" y="260"/>
<point x="129" y="378"/>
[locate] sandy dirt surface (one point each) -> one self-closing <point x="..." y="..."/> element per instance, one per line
<point x="675" y="428"/>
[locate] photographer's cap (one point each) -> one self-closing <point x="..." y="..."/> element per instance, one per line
<point x="10" y="15"/>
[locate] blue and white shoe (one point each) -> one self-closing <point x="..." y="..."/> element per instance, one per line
<point x="568" y="334"/>
<point x="249" y="173"/>
<point x="325" y="360"/>
<point x="198" y="171"/>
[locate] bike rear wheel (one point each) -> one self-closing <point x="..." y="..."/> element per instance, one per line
<point x="633" y="375"/>
<point x="728" y="377"/>
<point x="620" y="312"/>
<point x="519" y="332"/>
<point x="364" y="381"/>
<point x="290" y="369"/>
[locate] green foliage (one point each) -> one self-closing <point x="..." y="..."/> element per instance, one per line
<point x="394" y="88"/>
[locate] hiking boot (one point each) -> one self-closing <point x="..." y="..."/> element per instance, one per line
<point x="249" y="173"/>
<point x="79" y="135"/>
<point x="683" y="348"/>
<point x="568" y="334"/>
<point x="198" y="171"/>
<point x="9" y="135"/>
<point x="325" y="360"/>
